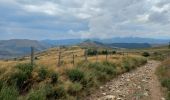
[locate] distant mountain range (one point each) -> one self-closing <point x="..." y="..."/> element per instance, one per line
<point x="96" y="44"/>
<point x="112" y="40"/>
<point x="20" y="47"/>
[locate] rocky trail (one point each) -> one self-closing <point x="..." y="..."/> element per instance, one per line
<point x="139" y="84"/>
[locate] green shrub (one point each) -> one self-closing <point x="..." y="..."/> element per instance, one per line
<point x="21" y="75"/>
<point x="1" y="84"/>
<point x="126" y="65"/>
<point x="168" y="96"/>
<point x="75" y="75"/>
<point x="42" y="73"/>
<point x="42" y="92"/>
<point x="133" y="62"/>
<point x="145" y="54"/>
<point x="25" y="68"/>
<point x="75" y="88"/>
<point x="54" y="77"/>
<point x="166" y="83"/>
<point x="8" y="93"/>
<point x="142" y="61"/>
<point x="37" y="95"/>
<point x="91" y="52"/>
<point x="104" y="67"/>
<point x="89" y="80"/>
<point x="59" y="93"/>
<point x="101" y="72"/>
<point x="101" y="77"/>
<point x="19" y="78"/>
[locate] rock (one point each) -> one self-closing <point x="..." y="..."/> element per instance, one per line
<point x="144" y="81"/>
<point x="163" y="99"/>
<point x="109" y="97"/>
<point x="119" y="99"/>
<point x="118" y="91"/>
<point x="101" y="87"/>
<point x="112" y="90"/>
<point x="146" y="94"/>
<point x="134" y="84"/>
<point x="128" y="80"/>
<point x="104" y="94"/>
<point x="139" y="87"/>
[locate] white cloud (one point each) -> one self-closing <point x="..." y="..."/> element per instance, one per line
<point x="47" y="8"/>
<point x="88" y="18"/>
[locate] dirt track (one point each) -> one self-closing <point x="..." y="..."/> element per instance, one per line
<point x="139" y="84"/>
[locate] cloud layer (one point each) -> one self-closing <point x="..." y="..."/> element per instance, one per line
<point x="58" y="19"/>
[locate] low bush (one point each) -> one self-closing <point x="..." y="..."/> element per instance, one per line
<point x="1" y="84"/>
<point x="102" y="71"/>
<point x="37" y="95"/>
<point x="42" y="73"/>
<point x="8" y="93"/>
<point x="75" y="75"/>
<point x="26" y="68"/>
<point x="75" y="88"/>
<point x="168" y="97"/>
<point x="21" y="75"/>
<point x="104" y="67"/>
<point x="59" y="93"/>
<point x="145" y="54"/>
<point x="19" y="78"/>
<point x="126" y="65"/>
<point x="163" y="72"/>
<point x="54" y="77"/>
<point x="166" y="83"/>
<point x="129" y="63"/>
<point x="89" y="80"/>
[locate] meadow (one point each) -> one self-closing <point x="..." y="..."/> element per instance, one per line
<point x="46" y="80"/>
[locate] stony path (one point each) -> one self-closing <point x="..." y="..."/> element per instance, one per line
<point x="139" y="84"/>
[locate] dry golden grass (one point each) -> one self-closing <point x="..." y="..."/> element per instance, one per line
<point x="88" y="75"/>
<point x="49" y="59"/>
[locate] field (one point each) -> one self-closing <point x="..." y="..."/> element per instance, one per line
<point x="47" y="80"/>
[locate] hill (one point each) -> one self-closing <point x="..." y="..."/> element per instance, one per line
<point x="96" y="44"/>
<point x="107" y="41"/>
<point x="92" y="44"/>
<point x="19" y="47"/>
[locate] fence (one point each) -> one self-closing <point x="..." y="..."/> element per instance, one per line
<point x="72" y="55"/>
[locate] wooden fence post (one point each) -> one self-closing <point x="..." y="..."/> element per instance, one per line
<point x="59" y="57"/>
<point x="73" y="59"/>
<point x="32" y="55"/>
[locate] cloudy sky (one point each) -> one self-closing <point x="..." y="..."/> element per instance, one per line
<point x="61" y="19"/>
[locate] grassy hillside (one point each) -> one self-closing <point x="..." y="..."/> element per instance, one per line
<point x="46" y="80"/>
<point x="163" y="72"/>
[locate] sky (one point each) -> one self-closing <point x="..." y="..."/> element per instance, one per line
<point x="68" y="19"/>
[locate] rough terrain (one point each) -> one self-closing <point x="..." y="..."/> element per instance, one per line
<point x="139" y="84"/>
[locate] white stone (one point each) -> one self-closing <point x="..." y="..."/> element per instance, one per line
<point x="104" y="94"/>
<point x="109" y="97"/>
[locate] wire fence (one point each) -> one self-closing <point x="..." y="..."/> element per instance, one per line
<point x="73" y="56"/>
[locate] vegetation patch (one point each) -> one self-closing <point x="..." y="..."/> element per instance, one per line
<point x="8" y="93"/>
<point x="75" y="75"/>
<point x="39" y="83"/>
<point x="163" y="72"/>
